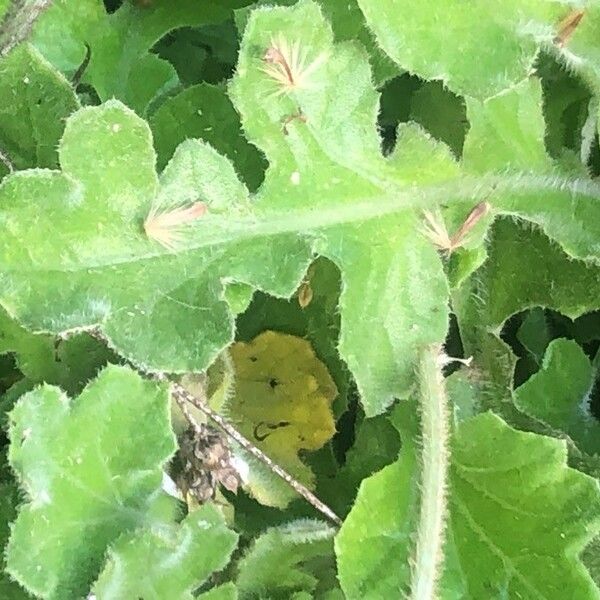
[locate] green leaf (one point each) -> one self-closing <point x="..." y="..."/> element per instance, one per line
<point x="376" y="445"/>
<point x="120" y="64"/>
<point x="35" y="101"/>
<point x="507" y="131"/>
<point x="550" y="279"/>
<point x="9" y="500"/>
<point x="373" y="546"/>
<point x="92" y="470"/>
<point x="205" y="112"/>
<point x="499" y="542"/>
<point x="280" y="561"/>
<point x="167" y="561"/>
<point x="535" y="334"/>
<point x="504" y="36"/>
<point x="559" y="395"/>
<point x="227" y="591"/>
<point x="202" y="54"/>
<point x="524" y="270"/>
<point x="441" y="113"/>
<point x="68" y="363"/>
<point x="348" y="23"/>
<point x="165" y="310"/>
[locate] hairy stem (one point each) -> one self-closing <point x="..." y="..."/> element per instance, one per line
<point x="18" y="22"/>
<point x="428" y="560"/>
<point x="183" y="396"/>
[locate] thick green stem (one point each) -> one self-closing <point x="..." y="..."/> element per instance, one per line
<point x="428" y="560"/>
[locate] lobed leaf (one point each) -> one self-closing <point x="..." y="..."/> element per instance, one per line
<point x="504" y="36"/>
<point x="167" y="561"/>
<point x="559" y="395"/>
<point x="279" y="561"/>
<point x="88" y="257"/>
<point x="516" y="524"/>
<point x="86" y="480"/>
<point x="35" y="101"/>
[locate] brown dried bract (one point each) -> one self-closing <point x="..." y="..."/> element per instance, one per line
<point x="567" y="27"/>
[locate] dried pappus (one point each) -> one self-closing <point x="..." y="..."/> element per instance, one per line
<point x="168" y="228"/>
<point x="435" y="228"/>
<point x="286" y="64"/>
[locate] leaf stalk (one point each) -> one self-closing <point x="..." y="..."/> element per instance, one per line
<point x="428" y="561"/>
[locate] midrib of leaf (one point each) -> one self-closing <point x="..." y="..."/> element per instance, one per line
<point x="272" y="222"/>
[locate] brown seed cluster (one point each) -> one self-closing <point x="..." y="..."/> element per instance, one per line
<point x="205" y="461"/>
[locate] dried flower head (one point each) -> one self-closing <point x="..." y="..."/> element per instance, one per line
<point x="168" y="227"/>
<point x="287" y="64"/>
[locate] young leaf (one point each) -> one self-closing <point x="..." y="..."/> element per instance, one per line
<point x="167" y="561"/>
<point x="499" y="542"/>
<point x="280" y="561"/>
<point x="559" y="395"/>
<point x="86" y="475"/>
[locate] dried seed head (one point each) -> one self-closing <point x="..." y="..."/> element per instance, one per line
<point x="167" y="228"/>
<point x="206" y="462"/>
<point x="287" y="64"/>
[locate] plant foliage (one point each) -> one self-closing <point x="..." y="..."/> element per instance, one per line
<point x="363" y="237"/>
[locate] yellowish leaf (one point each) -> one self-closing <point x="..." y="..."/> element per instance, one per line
<point x="282" y="403"/>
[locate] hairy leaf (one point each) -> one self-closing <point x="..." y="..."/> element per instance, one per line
<point x="517" y="519"/>
<point x="205" y="112"/>
<point x="559" y="395"/>
<point x="167" y="561"/>
<point x="35" y="101"/>
<point x="86" y="477"/>
<point x="504" y="36"/>
<point x="120" y="65"/>
<point x="68" y="363"/>
<point x="165" y="309"/>
<point x="9" y="500"/>
<point x="280" y="561"/>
